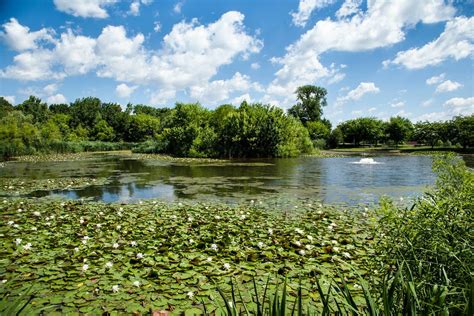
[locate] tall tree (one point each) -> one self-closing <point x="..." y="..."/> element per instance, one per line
<point x="311" y="100"/>
<point x="398" y="129"/>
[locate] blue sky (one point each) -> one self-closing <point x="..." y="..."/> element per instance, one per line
<point x="376" y="58"/>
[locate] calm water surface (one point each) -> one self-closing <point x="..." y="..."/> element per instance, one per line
<point x="330" y="180"/>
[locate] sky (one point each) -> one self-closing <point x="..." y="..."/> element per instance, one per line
<point x="377" y="58"/>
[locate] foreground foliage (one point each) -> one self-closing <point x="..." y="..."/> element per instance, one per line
<point x="96" y="257"/>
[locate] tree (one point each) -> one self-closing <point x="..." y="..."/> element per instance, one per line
<point x="317" y="130"/>
<point x="398" y="129"/>
<point x="103" y="131"/>
<point x="335" y="138"/>
<point x="36" y="108"/>
<point x="427" y="133"/>
<point x="5" y="107"/>
<point x="464" y="130"/>
<point x="311" y="101"/>
<point x="85" y="112"/>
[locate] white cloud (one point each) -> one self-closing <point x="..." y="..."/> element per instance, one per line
<point x="238" y="100"/>
<point x="124" y="91"/>
<point x="178" y="6"/>
<point x="84" y="8"/>
<point x="362" y="89"/>
<point x="373" y="109"/>
<point x="460" y="106"/>
<point x="435" y="79"/>
<point x="51" y="88"/>
<point x="219" y="90"/>
<point x="357" y="112"/>
<point x="9" y="98"/>
<point x="255" y="66"/>
<point x="398" y="104"/>
<point x="56" y="99"/>
<point x="190" y="55"/>
<point x="384" y="23"/>
<point x="455" y="42"/>
<point x="19" y="37"/>
<point x="348" y="8"/>
<point x="427" y="103"/>
<point x="448" y="86"/>
<point x="134" y="8"/>
<point x="156" y="26"/>
<point x="305" y="8"/>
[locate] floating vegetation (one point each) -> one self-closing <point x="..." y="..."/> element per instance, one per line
<point x="89" y="257"/>
<point x="20" y="186"/>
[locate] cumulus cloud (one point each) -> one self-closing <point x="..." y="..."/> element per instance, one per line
<point x="178" y="6"/>
<point x="124" y="91"/>
<point x="456" y="42"/>
<point x="56" y="99"/>
<point x="384" y="23"/>
<point x="398" y="104"/>
<point x="348" y="8"/>
<point x="84" y="8"/>
<point x="305" y="8"/>
<point x="19" y="37"/>
<point x="448" y="86"/>
<point x="134" y="8"/>
<point x="362" y="89"/>
<point x="241" y="98"/>
<point x="51" y="88"/>
<point x="435" y="79"/>
<point x="190" y="55"/>
<point x="156" y="26"/>
<point x="460" y="106"/>
<point x="255" y="66"/>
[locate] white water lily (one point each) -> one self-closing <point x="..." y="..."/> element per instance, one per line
<point x="119" y="227"/>
<point x="190" y="219"/>
<point x="366" y="209"/>
<point x="252" y="201"/>
<point x="174" y="216"/>
<point x="84" y="241"/>
<point x="226" y="266"/>
<point x="19" y="210"/>
<point x="98" y="225"/>
<point x="357" y="286"/>
<point x="320" y="205"/>
<point x="139" y="255"/>
<point x="85" y="237"/>
<point x="115" y="288"/>
<point x="18" y="241"/>
<point x="85" y="267"/>
<point x="16" y="226"/>
<point x="308" y="247"/>
<point x="27" y="246"/>
<point x="319" y="212"/>
<point x="335" y="249"/>
<point x="133" y="243"/>
<point x="11" y="223"/>
<point x="180" y="204"/>
<point x="115" y="245"/>
<point x="302" y="252"/>
<point x="36" y="213"/>
<point x="101" y="213"/>
<point x="334" y="242"/>
<point x="191" y="241"/>
<point x="34" y="228"/>
<point x="346" y="255"/>
<point x="119" y="214"/>
<point x="109" y="264"/>
<point x="136" y="283"/>
<point x="243" y="217"/>
<point x="190" y="294"/>
<point x="401" y="199"/>
<point x="310" y="237"/>
<point x="209" y="259"/>
<point x="81" y="221"/>
<point x="4" y="281"/>
<point x="260" y="244"/>
<point x="298" y="243"/>
<point x="76" y="249"/>
<point x="299" y="231"/>
<point x="214" y="247"/>
<point x="217" y="217"/>
<point x="270" y="231"/>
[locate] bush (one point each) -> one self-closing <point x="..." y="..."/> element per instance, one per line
<point x="434" y="237"/>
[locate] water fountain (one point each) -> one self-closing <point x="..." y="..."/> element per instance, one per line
<point x="366" y="161"/>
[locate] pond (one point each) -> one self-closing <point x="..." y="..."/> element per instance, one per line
<point x="330" y="180"/>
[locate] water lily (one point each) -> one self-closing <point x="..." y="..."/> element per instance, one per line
<point x="190" y="294"/>
<point x="299" y="231"/>
<point x="308" y="247"/>
<point x="85" y="237"/>
<point x="27" y="246"/>
<point x="346" y="255"/>
<point x="174" y="216"/>
<point x="180" y="204"/>
<point x="319" y="212"/>
<point x="34" y="228"/>
<point x="133" y="243"/>
<point x="119" y="227"/>
<point x="101" y="213"/>
<point x="136" y="283"/>
<point x="214" y="247"/>
<point x="310" y="237"/>
<point x="217" y="217"/>
<point x="191" y="241"/>
<point x="190" y="219"/>
<point x="115" y="245"/>
<point x="209" y="259"/>
<point x="357" y="286"/>
<point x="139" y="255"/>
<point x="16" y="226"/>
<point x="81" y="221"/>
<point x="4" y="281"/>
<point x="335" y="249"/>
<point x="260" y="244"/>
<point x="98" y="225"/>
<point x="18" y="241"/>
<point x="84" y="241"/>
<point x="270" y="231"/>
<point x="85" y="267"/>
<point x="298" y="243"/>
<point x="226" y="266"/>
<point x="115" y="288"/>
<point x="109" y="264"/>
<point x="76" y="249"/>
<point x="242" y="217"/>
<point x="302" y="252"/>
<point x="19" y="210"/>
<point x="11" y="223"/>
<point x="36" y="213"/>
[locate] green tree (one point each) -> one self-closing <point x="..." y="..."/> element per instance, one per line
<point x="143" y="127"/>
<point x="85" y="112"/>
<point x="36" y="108"/>
<point x="398" y="129"/>
<point x="427" y="133"/>
<point x="18" y="134"/>
<point x="103" y="131"/>
<point x="464" y="130"/>
<point x="5" y="107"/>
<point x="335" y="138"/>
<point x="311" y="100"/>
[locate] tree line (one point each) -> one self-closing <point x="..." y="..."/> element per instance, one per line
<point x="191" y="130"/>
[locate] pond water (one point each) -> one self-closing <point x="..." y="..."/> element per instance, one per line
<point x="330" y="180"/>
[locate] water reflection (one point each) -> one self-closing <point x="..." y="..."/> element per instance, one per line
<point x="331" y="180"/>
